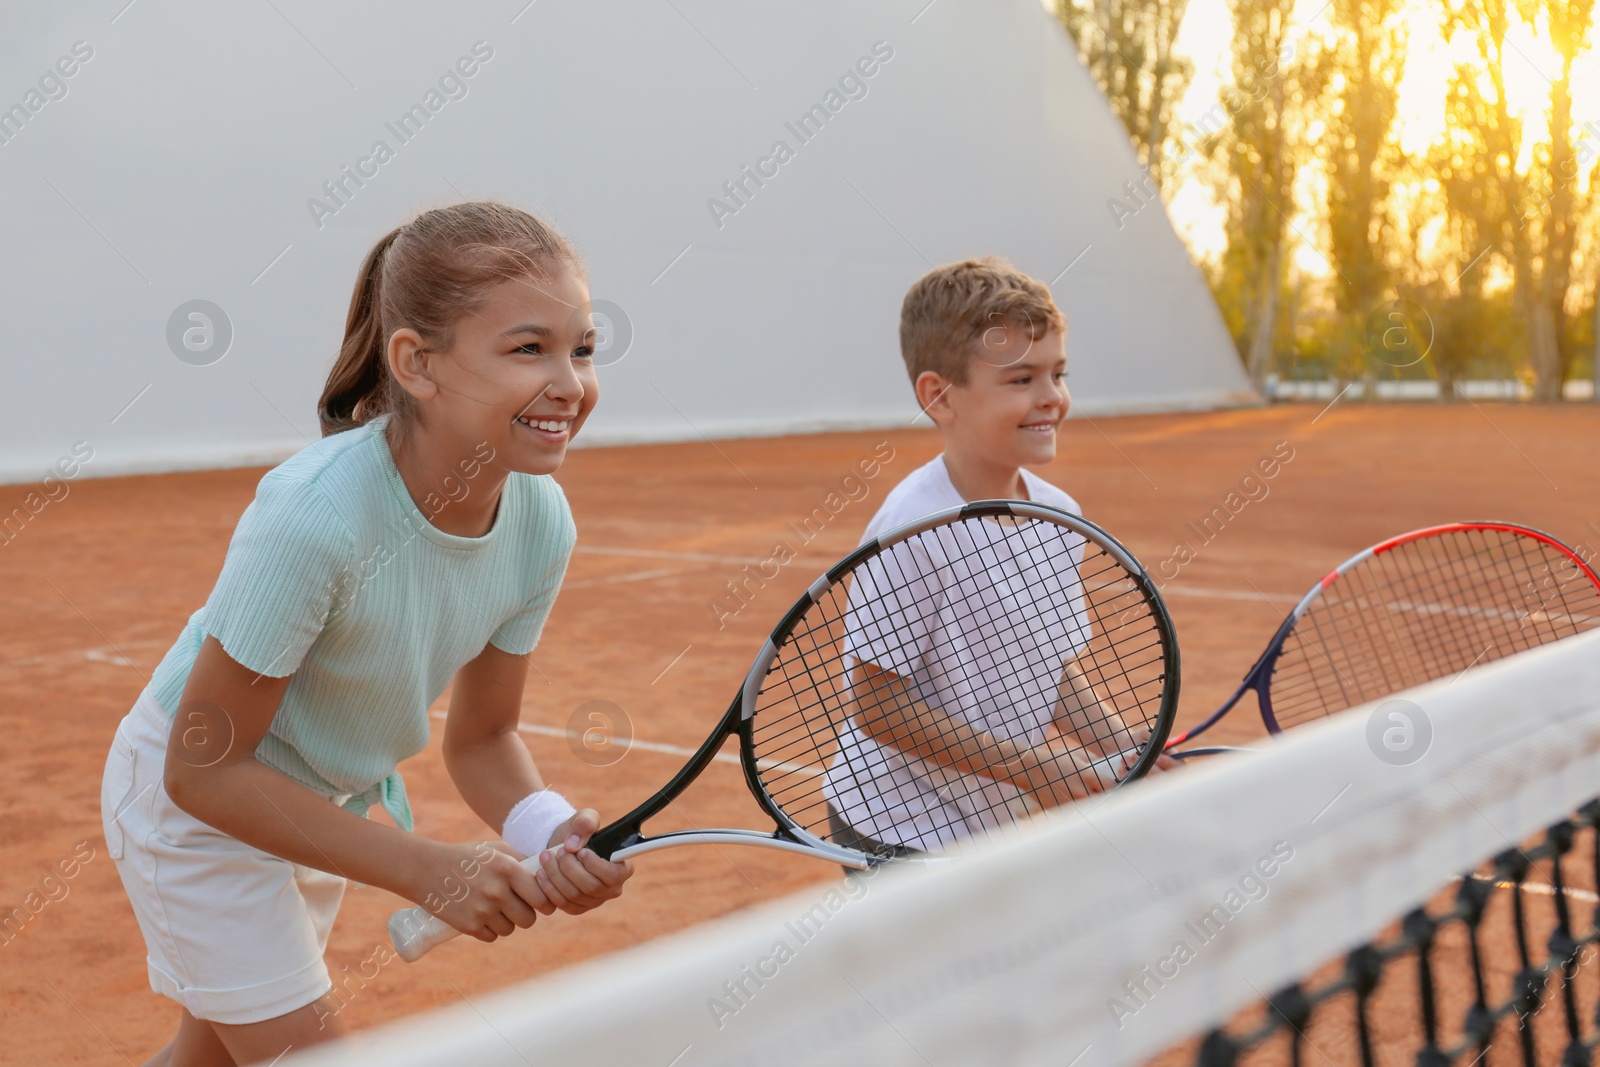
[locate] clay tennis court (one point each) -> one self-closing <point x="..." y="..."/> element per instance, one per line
<point x="98" y="584"/>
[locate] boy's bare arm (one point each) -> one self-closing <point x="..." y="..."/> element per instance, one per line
<point x="886" y="711"/>
<point x="1081" y="714"/>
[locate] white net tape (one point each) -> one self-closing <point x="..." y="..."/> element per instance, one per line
<point x="1099" y="938"/>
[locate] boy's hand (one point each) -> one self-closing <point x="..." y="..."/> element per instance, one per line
<point x="1163" y="762"/>
<point x="1061" y="775"/>
<point x="1112" y="768"/>
<point x="574" y="878"/>
<point x="1064" y="775"/>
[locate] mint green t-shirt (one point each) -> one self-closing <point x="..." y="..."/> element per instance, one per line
<point x="336" y="577"/>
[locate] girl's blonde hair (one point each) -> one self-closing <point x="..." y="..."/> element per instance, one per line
<point x="427" y="275"/>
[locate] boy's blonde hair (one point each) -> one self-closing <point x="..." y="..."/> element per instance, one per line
<point x="947" y="311"/>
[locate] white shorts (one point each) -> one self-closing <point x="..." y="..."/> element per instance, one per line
<point x="234" y="934"/>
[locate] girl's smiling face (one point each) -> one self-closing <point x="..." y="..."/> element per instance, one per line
<point x="519" y="375"/>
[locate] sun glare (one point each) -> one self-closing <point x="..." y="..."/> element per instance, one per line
<point x="1529" y="68"/>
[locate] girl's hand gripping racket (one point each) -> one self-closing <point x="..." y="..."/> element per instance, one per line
<point x="985" y="663"/>
<point x="1422" y="606"/>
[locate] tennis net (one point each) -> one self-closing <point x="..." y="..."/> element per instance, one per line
<point x="1409" y="882"/>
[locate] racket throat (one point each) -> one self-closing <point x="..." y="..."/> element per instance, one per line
<point x="637" y="845"/>
<point x="626" y="831"/>
<point x="1251" y="681"/>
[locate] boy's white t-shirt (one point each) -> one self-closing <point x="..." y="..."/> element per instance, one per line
<point x="956" y="633"/>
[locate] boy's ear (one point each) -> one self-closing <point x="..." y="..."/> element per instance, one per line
<point x="933" y="391"/>
<point x="408" y="362"/>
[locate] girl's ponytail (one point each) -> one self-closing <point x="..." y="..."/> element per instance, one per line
<point x="356" y="386"/>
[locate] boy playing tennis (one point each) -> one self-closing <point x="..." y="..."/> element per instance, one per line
<point x="918" y="767"/>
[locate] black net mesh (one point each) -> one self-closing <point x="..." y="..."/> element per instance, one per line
<point x="1424" y="610"/>
<point x="1500" y="968"/>
<point x="979" y="620"/>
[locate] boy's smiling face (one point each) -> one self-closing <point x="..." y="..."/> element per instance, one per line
<point x="1006" y="414"/>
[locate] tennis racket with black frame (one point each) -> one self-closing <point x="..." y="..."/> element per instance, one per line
<point x="1422" y="606"/>
<point x="1071" y="622"/>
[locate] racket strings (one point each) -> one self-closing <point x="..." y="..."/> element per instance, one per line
<point x="1359" y="646"/>
<point x="1377" y="627"/>
<point x="832" y="668"/>
<point x="1040" y="613"/>
<point x="1454" y="631"/>
<point x="1351" y="645"/>
<point x="829" y="624"/>
<point x="832" y="618"/>
<point x="1428" y="609"/>
<point x="1362" y="646"/>
<point x="1011" y="664"/>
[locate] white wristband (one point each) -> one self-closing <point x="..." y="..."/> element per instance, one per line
<point x="534" y="819"/>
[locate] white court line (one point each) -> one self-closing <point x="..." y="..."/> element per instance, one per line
<point x="637" y="576"/>
<point x="1481" y="613"/>
<point x="568" y="735"/>
<point x="106" y="654"/>
<point x="101" y="654"/>
<point x="1208" y="592"/>
<point x="1203" y="592"/>
<point x="1211" y="593"/>
<point x="650" y="553"/>
<point x="1398" y="606"/>
<point x="1542" y="889"/>
<point x="655" y="746"/>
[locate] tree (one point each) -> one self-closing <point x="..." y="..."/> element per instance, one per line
<point x="1269" y="104"/>
<point x="1529" y="217"/>
<point x="1127" y="46"/>
<point x="1361" y="149"/>
<point x="1594" y="346"/>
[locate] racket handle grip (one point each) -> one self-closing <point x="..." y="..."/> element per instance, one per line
<point x="416" y="931"/>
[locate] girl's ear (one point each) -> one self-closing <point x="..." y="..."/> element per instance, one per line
<point x="408" y="362"/>
<point x="933" y="394"/>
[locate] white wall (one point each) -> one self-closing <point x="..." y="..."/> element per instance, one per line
<point x="179" y="164"/>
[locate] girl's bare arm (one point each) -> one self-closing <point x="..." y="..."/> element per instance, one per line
<point x="212" y="773"/>
<point x="492" y="769"/>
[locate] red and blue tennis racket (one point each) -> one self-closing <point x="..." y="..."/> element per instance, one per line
<point x="1425" y="605"/>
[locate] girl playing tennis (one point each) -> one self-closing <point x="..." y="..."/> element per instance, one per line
<point x="421" y="540"/>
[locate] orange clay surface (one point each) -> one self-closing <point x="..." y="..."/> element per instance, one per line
<point x="98" y="584"/>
